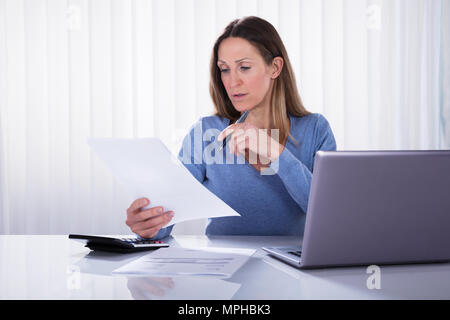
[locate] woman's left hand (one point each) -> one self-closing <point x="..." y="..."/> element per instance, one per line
<point x="246" y="137"/>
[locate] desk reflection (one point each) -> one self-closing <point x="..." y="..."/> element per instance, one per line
<point x="145" y="288"/>
<point x="176" y="288"/>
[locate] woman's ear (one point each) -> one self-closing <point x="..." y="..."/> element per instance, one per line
<point x="277" y="66"/>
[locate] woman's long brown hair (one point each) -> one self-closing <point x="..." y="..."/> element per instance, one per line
<point x="284" y="99"/>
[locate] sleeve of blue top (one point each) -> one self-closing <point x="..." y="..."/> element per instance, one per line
<point x="191" y="152"/>
<point x="191" y="155"/>
<point x="295" y="175"/>
<point x="162" y="233"/>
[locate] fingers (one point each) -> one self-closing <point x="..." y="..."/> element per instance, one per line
<point x="240" y="142"/>
<point x="243" y="142"/>
<point x="151" y="229"/>
<point x="135" y="214"/>
<point x="153" y="222"/>
<point x="138" y="216"/>
<point x="234" y="129"/>
<point x="227" y="131"/>
<point x="138" y="203"/>
<point x="146" y="223"/>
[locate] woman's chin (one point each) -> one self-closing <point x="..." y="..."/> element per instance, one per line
<point x="241" y="108"/>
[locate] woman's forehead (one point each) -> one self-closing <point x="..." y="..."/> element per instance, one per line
<point x="235" y="50"/>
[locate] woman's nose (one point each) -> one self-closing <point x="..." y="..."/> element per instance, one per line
<point x="235" y="80"/>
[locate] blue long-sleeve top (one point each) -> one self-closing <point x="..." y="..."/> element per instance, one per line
<point x="274" y="203"/>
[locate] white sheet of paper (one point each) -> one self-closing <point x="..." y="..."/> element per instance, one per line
<point x="147" y="169"/>
<point x="176" y="261"/>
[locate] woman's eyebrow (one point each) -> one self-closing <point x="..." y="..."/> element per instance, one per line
<point x="239" y="60"/>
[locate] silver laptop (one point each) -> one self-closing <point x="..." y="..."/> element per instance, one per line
<point x="375" y="207"/>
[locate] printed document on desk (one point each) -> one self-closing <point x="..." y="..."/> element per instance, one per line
<point x="176" y="261"/>
<point x="148" y="169"/>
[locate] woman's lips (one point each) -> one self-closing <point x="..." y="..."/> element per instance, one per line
<point x="239" y="97"/>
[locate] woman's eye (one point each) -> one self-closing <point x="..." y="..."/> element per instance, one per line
<point x="227" y="70"/>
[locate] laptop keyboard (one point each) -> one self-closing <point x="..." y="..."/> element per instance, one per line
<point x="296" y="253"/>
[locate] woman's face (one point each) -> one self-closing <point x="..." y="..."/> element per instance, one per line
<point x="245" y="76"/>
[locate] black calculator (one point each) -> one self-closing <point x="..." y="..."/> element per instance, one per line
<point x="118" y="244"/>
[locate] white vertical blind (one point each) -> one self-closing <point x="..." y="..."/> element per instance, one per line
<point x="102" y="185"/>
<point x="333" y="67"/>
<point x="445" y="77"/>
<point x="80" y="105"/>
<point x="377" y="69"/>
<point x="36" y="105"/>
<point x="374" y="49"/>
<point x="14" y="115"/>
<point x="311" y="82"/>
<point x="4" y="204"/>
<point x="58" y="116"/>
<point x="355" y="66"/>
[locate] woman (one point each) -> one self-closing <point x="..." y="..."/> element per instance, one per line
<point x="250" y="71"/>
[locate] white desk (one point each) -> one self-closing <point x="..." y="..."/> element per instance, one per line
<point x="54" y="267"/>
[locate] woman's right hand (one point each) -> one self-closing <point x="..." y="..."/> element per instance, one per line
<point x="146" y="223"/>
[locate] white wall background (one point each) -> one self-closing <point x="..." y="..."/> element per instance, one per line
<point x="379" y="70"/>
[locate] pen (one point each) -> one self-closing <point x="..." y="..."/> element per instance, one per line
<point x="240" y="120"/>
